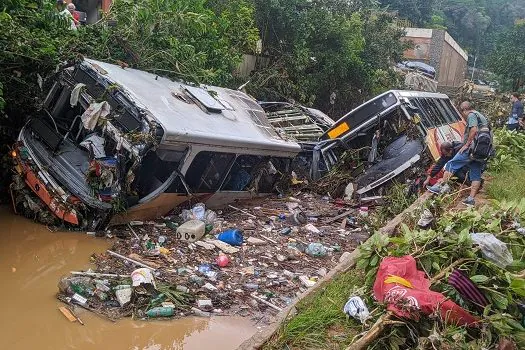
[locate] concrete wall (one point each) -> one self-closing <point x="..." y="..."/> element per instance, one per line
<point x="438" y="49"/>
<point x="421" y="38"/>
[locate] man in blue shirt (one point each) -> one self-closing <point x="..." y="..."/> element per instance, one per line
<point x="474" y="121"/>
<point x="517" y="112"/>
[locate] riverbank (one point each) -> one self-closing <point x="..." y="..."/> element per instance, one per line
<point x="448" y="246"/>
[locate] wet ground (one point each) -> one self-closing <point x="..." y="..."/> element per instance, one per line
<point x="32" y="259"/>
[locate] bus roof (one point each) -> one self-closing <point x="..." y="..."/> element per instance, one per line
<point x="199" y="114"/>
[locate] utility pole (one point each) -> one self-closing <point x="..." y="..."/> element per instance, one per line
<point x="474" y="67"/>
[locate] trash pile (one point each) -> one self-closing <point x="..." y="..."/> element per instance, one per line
<point x="239" y="261"/>
<point x="446" y="279"/>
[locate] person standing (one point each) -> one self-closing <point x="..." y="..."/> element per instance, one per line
<point x="516" y="115"/>
<point x="69" y="13"/>
<point x="474" y="121"/>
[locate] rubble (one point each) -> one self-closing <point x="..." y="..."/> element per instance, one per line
<point x="155" y="269"/>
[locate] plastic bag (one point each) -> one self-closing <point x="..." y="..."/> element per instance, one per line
<point x="356" y="308"/>
<point x="209" y="217"/>
<point x="199" y="210"/>
<point x="493" y="249"/>
<point x="316" y="250"/>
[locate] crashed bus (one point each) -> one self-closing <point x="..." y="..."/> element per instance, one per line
<point x="116" y="144"/>
<point x="397" y="130"/>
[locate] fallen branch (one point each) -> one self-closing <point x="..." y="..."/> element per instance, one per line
<point x="243" y="211"/>
<point x="130" y="260"/>
<point x="133" y="231"/>
<point x="374" y="332"/>
<point x="98" y="275"/>
<point x="269" y="239"/>
<point x="340" y="216"/>
<point x="266" y="302"/>
<point x="443" y="272"/>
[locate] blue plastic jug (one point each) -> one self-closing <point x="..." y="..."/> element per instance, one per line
<point x="232" y="236"/>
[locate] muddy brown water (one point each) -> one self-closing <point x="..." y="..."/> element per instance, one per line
<point x="32" y="259"/>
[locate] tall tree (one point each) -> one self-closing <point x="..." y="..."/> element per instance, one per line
<point x="418" y="12"/>
<point x="329" y="54"/>
<point x="508" y="57"/>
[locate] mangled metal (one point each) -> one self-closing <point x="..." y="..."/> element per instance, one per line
<point x="389" y="134"/>
<point x="117" y="144"/>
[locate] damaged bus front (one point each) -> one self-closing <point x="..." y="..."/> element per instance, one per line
<point x="116" y="144"/>
<point x="388" y="134"/>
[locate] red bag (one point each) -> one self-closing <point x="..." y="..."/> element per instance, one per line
<point x="408" y="302"/>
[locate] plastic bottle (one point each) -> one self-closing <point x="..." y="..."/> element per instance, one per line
<point x="231" y="236"/>
<point x="160" y="312"/>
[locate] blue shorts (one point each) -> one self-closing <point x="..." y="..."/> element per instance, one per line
<point x="462" y="159"/>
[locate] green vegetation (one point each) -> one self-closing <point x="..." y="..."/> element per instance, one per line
<point x="506" y="59"/>
<point x="328" y="54"/>
<point x="507" y="168"/>
<point x="447" y="245"/>
<point x="320" y="323"/>
<point x="184" y="39"/>
<point x="507" y="185"/>
<point x="396" y="200"/>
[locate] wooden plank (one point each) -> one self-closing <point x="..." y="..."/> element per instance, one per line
<point x="65" y="311"/>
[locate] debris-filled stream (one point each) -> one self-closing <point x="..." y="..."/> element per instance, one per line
<point x="33" y="260"/>
<point x="249" y="260"/>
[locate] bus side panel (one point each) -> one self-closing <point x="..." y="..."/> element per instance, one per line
<point x="221" y="199"/>
<point x="445" y="133"/>
<point x="151" y="210"/>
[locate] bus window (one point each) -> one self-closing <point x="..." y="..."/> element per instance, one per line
<point x="426" y="119"/>
<point x="449" y="111"/>
<point x="438" y="118"/>
<point x="270" y="172"/>
<point x="208" y="170"/>
<point x="241" y="173"/>
<point x="155" y="170"/>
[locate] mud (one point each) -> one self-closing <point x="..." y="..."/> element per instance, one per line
<point x="32" y="261"/>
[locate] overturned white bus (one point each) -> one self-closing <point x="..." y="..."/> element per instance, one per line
<point x="116" y="144"/>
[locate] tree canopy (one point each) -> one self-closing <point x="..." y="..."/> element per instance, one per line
<point x="508" y="58"/>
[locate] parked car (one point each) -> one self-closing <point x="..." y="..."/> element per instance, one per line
<point x="422" y="67"/>
<point x="114" y="145"/>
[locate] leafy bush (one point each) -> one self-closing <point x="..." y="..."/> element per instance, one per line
<point x="183" y="39"/>
<point x="330" y="54"/>
<point x="510" y="150"/>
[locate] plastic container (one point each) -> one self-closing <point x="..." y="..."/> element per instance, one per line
<point x="231" y="236"/>
<point x="161" y="312"/>
<point x="191" y="231"/>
